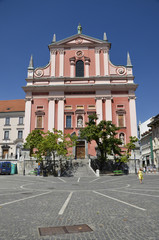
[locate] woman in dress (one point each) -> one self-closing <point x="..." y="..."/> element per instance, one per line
<point x="140" y="175"/>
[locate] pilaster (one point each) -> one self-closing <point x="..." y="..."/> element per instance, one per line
<point x="106" y="61"/>
<point x="97" y="61"/>
<point x="87" y="63"/>
<point x="60" y="118"/>
<point x="51" y="114"/>
<point x="27" y="121"/>
<point x="99" y="109"/>
<point x="72" y="67"/>
<point x="53" y="63"/>
<point x="61" y="63"/>
<point x="108" y="108"/>
<point x="133" y="121"/>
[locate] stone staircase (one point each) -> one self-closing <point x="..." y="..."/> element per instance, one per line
<point x="83" y="169"/>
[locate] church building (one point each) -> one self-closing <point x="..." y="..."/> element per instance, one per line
<point x="80" y="80"/>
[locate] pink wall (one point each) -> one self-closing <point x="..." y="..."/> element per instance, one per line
<point x="39" y="102"/>
<point x="122" y="101"/>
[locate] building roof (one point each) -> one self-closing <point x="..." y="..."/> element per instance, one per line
<point x="154" y="121"/>
<point x="12" y="105"/>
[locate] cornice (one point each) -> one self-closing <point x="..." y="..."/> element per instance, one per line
<point x="81" y="87"/>
<point x="111" y="77"/>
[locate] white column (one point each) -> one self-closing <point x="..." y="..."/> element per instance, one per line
<point x="133" y="121"/>
<point x="53" y="62"/>
<point x="87" y="63"/>
<point x="27" y="121"/>
<point x="51" y="114"/>
<point x="108" y="109"/>
<point x="72" y="68"/>
<point x="61" y="63"/>
<point x="106" y="60"/>
<point x="60" y="119"/>
<point x="97" y="61"/>
<point x="99" y="109"/>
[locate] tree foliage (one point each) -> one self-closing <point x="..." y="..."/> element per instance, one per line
<point x="33" y="140"/>
<point x="104" y="134"/>
<point x="129" y="147"/>
<point x="54" y="143"/>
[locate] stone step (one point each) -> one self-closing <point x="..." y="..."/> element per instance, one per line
<point x="83" y="170"/>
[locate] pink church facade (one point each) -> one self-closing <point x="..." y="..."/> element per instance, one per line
<point x="80" y="80"/>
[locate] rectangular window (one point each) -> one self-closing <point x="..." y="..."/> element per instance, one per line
<point x="6" y="135"/>
<point x="68" y="107"/>
<point x="80" y="107"/>
<point x="120" y="106"/>
<point x="39" y="122"/>
<point x="68" y="121"/>
<point x="20" y="120"/>
<point x="7" y="121"/>
<point x="20" y="134"/>
<point x="91" y="107"/>
<point x="121" y="120"/>
<point x="40" y="107"/>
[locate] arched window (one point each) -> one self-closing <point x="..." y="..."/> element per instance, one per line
<point x="79" y="121"/>
<point x="122" y="138"/>
<point x="79" y="68"/>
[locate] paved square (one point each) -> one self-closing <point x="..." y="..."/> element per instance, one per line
<point x="114" y="207"/>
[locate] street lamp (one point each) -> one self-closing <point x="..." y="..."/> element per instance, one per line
<point x="135" y="162"/>
<point x="24" y="165"/>
<point x="136" y="150"/>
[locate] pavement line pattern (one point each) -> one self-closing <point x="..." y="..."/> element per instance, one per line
<point x="65" y="204"/>
<point x="113" y="180"/>
<point x="144" y="194"/>
<point x="23" y="199"/>
<point x="147" y="189"/>
<point x="61" y="179"/>
<point x="115" y="199"/>
<point x="94" y="180"/>
<point x="78" y="179"/>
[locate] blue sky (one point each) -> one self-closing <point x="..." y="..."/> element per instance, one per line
<point x="27" y="27"/>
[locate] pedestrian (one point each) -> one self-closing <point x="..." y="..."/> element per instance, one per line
<point x="140" y="175"/>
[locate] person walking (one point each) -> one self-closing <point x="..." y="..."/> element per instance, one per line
<point x="140" y="175"/>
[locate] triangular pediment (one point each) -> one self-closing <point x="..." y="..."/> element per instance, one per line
<point x="78" y="39"/>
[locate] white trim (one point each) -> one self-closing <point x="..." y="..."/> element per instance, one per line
<point x="60" y="119"/>
<point x="86" y="70"/>
<point x="99" y="110"/>
<point x="72" y="70"/>
<point x="53" y="63"/>
<point x="51" y="115"/>
<point x="27" y="119"/>
<point x="108" y="109"/>
<point x="61" y="63"/>
<point x="97" y="61"/>
<point x="106" y="60"/>
<point x="133" y="122"/>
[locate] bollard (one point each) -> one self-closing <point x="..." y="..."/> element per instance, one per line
<point x="97" y="172"/>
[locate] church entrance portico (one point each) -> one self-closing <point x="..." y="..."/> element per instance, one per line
<point x="80" y="150"/>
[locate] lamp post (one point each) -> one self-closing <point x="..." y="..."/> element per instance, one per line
<point x="135" y="162"/>
<point x="24" y="165"/>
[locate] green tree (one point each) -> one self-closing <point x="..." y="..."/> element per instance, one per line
<point x="104" y="134"/>
<point x="32" y="142"/>
<point x="130" y="146"/>
<point x="49" y="143"/>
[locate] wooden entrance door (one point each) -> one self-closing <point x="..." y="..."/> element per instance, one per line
<point x="5" y="153"/>
<point x="80" y="150"/>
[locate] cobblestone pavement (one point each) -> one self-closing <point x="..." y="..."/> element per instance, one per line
<point x="114" y="207"/>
